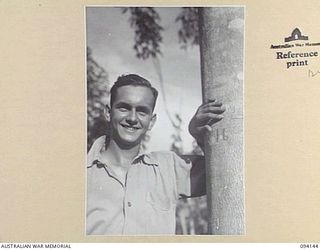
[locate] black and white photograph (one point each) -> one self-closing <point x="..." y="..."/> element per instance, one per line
<point x="160" y="122"/>
<point x="165" y="120"/>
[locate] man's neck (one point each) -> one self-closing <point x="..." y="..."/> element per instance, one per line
<point x="117" y="156"/>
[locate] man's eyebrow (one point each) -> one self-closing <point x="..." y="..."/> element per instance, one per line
<point x="138" y="108"/>
<point x="143" y="109"/>
<point x="123" y="104"/>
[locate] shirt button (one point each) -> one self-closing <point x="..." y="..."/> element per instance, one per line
<point x="129" y="204"/>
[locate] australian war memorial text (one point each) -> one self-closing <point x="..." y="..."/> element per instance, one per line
<point x="34" y="245"/>
<point x="298" y="54"/>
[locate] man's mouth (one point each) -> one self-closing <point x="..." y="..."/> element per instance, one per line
<point x="130" y="128"/>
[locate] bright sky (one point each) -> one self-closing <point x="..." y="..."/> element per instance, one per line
<point x="111" y="39"/>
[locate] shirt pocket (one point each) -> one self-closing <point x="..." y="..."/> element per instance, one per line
<point x="159" y="201"/>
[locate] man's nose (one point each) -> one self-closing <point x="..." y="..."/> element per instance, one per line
<point x="132" y="117"/>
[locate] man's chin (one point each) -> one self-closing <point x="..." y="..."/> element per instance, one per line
<point x="128" y="142"/>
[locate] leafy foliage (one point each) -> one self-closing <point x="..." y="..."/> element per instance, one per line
<point x="98" y="92"/>
<point x="189" y="31"/>
<point x="177" y="145"/>
<point x="146" y="23"/>
<point x="192" y="216"/>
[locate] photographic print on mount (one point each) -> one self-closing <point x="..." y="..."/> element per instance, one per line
<point x="165" y="120"/>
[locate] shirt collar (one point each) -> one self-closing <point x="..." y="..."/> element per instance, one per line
<point x="100" y="145"/>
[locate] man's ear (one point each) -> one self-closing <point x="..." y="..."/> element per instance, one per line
<point x="107" y="113"/>
<point x="153" y="121"/>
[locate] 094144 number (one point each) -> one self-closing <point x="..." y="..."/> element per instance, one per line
<point x="309" y="246"/>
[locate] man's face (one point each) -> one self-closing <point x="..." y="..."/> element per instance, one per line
<point x="131" y="115"/>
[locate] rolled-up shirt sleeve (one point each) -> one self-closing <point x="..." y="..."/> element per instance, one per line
<point x="190" y="175"/>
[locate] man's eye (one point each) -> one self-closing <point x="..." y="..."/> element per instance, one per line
<point x="142" y="113"/>
<point x="123" y="109"/>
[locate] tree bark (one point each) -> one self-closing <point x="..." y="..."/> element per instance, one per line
<point x="221" y="45"/>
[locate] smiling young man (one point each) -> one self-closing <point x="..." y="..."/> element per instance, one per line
<point x="130" y="192"/>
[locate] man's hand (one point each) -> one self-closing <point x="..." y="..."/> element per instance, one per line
<point x="206" y="115"/>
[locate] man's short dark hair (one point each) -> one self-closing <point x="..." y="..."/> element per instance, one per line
<point x="132" y="80"/>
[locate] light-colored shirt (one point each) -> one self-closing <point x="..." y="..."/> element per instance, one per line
<point x="144" y="203"/>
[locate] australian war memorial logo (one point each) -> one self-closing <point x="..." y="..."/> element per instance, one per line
<point x="297" y="50"/>
<point x="296" y="35"/>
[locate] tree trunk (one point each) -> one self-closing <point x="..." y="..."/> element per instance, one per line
<point x="221" y="45"/>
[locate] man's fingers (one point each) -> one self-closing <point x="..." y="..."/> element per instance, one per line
<point x="215" y="120"/>
<point x="207" y="128"/>
<point x="212" y="109"/>
<point x="211" y="100"/>
<point x="206" y="105"/>
<point x="211" y="104"/>
<point x="206" y="117"/>
<point x="204" y="129"/>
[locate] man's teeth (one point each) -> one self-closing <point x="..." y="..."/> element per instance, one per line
<point x="130" y="128"/>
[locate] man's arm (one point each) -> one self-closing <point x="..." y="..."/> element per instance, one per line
<point x="205" y="117"/>
<point x="197" y="175"/>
